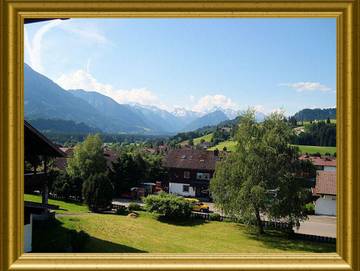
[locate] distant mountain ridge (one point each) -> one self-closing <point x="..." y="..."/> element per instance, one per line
<point x="315" y="114"/>
<point x="62" y="126"/>
<point x="207" y="120"/>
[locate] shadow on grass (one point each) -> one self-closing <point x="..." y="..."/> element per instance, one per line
<point x="185" y="222"/>
<point x="285" y="241"/>
<point x="102" y="246"/>
<point x="51" y="237"/>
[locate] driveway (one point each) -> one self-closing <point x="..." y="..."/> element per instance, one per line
<point x="319" y="225"/>
<point x="126" y="202"/>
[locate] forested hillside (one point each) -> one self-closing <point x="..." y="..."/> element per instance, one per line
<point x="315" y="114"/>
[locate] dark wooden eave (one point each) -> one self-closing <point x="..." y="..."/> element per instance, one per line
<point x="36" y="20"/>
<point x="37" y="144"/>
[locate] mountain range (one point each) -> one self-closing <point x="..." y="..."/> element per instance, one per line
<point x="91" y="111"/>
<point x="44" y="99"/>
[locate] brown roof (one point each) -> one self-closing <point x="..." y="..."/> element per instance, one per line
<point x="325" y="183"/>
<point x="61" y="163"/>
<point x="68" y="151"/>
<point x="110" y="157"/>
<point x="320" y="161"/>
<point x="190" y="159"/>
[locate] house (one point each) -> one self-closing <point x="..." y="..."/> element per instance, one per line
<point x="325" y="190"/>
<point x="205" y="145"/>
<point x="61" y="162"/>
<point x="326" y="163"/>
<point x="38" y="151"/>
<point x="190" y="171"/>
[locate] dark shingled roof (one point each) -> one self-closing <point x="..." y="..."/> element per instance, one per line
<point x="325" y="183"/>
<point x="190" y="159"/>
<point x="38" y="144"/>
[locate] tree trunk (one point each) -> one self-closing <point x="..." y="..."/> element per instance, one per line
<point x="258" y="221"/>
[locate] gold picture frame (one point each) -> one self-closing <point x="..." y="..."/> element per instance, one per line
<point x="12" y="17"/>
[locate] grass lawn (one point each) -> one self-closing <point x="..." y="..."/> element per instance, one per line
<point x="148" y="233"/>
<point x="207" y="138"/>
<point x="315" y="149"/>
<point x="65" y="207"/>
<point x="229" y="144"/>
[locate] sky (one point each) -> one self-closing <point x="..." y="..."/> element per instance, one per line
<point x="197" y="64"/>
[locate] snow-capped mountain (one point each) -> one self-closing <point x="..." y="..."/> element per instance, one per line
<point x="44" y="99"/>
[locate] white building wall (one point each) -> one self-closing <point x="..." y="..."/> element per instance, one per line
<point x="326" y="205"/>
<point x="28" y="236"/>
<point x="177" y="188"/>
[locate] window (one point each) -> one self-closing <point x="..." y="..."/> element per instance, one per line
<point x="186" y="188"/>
<point x="186" y="174"/>
<point x="203" y="176"/>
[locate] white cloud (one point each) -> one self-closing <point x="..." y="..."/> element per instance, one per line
<point x="209" y="102"/>
<point x="34" y="47"/>
<point x="81" y="79"/>
<point x="85" y="31"/>
<point x="306" y="86"/>
<point x="279" y="111"/>
<point x="259" y="108"/>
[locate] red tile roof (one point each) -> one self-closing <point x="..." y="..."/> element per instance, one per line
<point x="320" y="161"/>
<point x="325" y="183"/>
<point x="190" y="159"/>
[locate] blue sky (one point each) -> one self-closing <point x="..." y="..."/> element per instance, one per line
<point x="197" y="64"/>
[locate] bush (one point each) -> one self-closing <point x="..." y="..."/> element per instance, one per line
<point x="134" y="207"/>
<point x="168" y="205"/>
<point x="310" y="208"/>
<point x="215" y="217"/>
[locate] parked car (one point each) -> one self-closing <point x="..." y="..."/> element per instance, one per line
<point x="198" y="206"/>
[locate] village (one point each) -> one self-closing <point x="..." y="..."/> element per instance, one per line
<point x="188" y="172"/>
<point x="202" y="153"/>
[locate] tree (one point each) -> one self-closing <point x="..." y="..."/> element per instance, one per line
<point x="124" y="175"/>
<point x="67" y="187"/>
<point x="88" y="158"/>
<point x="191" y="142"/>
<point x="293" y="121"/>
<point x="98" y="191"/>
<point x="155" y="169"/>
<point x="262" y="177"/>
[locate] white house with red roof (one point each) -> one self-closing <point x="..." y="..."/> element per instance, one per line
<point x="325" y="190"/>
<point x="326" y="163"/>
